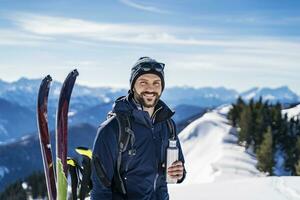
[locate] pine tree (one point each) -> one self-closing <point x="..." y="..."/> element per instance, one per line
<point x="235" y="111"/>
<point x="297" y="168"/>
<point x="14" y="191"/>
<point x="246" y="126"/>
<point x="265" y="153"/>
<point x="277" y="124"/>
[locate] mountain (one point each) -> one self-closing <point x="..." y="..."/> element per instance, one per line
<point x="21" y="158"/>
<point x="91" y="104"/>
<point x="15" y="120"/>
<point x="24" y="92"/>
<point x="202" y="97"/>
<point x="183" y="112"/>
<point x="92" y="115"/>
<point x="280" y="94"/>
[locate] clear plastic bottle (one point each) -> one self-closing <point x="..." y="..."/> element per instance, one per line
<point x="172" y="156"/>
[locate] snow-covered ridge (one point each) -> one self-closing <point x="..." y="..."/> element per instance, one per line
<point x="292" y="112"/>
<point x="218" y="168"/>
<point x="211" y="150"/>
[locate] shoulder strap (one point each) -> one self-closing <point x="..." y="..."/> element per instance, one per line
<point x="125" y="135"/>
<point x="172" y="129"/>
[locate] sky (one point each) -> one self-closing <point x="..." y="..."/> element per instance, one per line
<point x="237" y="44"/>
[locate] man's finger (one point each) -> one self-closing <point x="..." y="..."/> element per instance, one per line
<point x="175" y="168"/>
<point x="176" y="163"/>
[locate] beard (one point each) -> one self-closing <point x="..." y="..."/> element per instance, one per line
<point x="147" y="102"/>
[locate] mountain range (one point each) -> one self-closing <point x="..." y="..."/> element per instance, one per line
<point x="91" y="104"/>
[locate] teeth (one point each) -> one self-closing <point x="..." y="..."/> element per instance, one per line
<point x="149" y="95"/>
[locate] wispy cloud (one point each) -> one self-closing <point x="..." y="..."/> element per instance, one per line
<point x="248" y="19"/>
<point x="144" y="7"/>
<point x="228" y="53"/>
<point x="71" y="29"/>
<point x="10" y="37"/>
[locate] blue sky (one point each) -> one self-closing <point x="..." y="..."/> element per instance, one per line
<point x="232" y="43"/>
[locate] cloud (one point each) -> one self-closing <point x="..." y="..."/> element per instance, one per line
<point x="70" y="29"/>
<point x="249" y="19"/>
<point x="228" y="53"/>
<point x="18" y="38"/>
<point x="144" y="7"/>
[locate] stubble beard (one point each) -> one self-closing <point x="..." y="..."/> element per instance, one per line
<point x="143" y="99"/>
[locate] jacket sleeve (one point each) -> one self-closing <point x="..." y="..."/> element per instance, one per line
<point x="105" y="149"/>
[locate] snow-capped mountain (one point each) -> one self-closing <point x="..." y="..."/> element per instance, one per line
<point x="203" y="97"/>
<point x="91" y="105"/>
<point x="24" y="92"/>
<point x="273" y="95"/>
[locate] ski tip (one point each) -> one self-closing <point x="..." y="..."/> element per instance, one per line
<point x="48" y="78"/>
<point x="75" y="72"/>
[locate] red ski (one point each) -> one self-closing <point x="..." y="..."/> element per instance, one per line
<point x="62" y="134"/>
<point x="42" y="120"/>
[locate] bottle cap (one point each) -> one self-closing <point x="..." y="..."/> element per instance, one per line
<point x="172" y="143"/>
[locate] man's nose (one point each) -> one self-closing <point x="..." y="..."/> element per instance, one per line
<point x="150" y="88"/>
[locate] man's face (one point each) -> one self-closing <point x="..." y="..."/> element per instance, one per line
<point x="147" y="90"/>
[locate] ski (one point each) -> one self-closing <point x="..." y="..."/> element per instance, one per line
<point x="44" y="136"/>
<point x="62" y="134"/>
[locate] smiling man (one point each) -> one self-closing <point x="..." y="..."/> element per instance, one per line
<point x="130" y="164"/>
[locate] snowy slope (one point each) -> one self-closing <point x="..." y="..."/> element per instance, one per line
<point x="217" y="168"/>
<point x="292" y="112"/>
<point x="211" y="152"/>
<point x="267" y="188"/>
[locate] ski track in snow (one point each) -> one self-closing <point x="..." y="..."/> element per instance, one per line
<point x="280" y="185"/>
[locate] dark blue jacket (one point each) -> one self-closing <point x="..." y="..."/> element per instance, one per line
<point x="142" y="173"/>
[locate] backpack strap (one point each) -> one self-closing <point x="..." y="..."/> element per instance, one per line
<point x="126" y="135"/>
<point x="171" y="126"/>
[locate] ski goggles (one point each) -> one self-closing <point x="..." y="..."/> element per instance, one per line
<point x="159" y="67"/>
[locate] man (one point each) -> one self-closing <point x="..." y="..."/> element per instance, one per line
<point x="142" y="169"/>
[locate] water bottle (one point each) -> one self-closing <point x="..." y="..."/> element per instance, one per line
<point x="172" y="156"/>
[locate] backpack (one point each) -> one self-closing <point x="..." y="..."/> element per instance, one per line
<point x="125" y="136"/>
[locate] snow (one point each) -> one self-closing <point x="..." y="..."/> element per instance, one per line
<point x="218" y="168"/>
<point x="251" y="95"/>
<point x="3" y="130"/>
<point x="71" y="113"/>
<point x="3" y="170"/>
<point x="271" y="188"/>
<point x="271" y="97"/>
<point x="211" y="152"/>
<point x="292" y="112"/>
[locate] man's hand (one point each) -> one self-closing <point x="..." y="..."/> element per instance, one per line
<point x="176" y="170"/>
